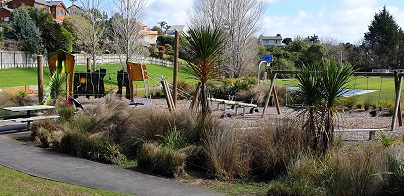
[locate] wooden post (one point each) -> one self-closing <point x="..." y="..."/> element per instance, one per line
<point x="397" y="103"/>
<point x="89" y="64"/>
<point x="396" y="85"/>
<point x="278" y="109"/>
<point x="40" y="79"/>
<point x="269" y="93"/>
<point x="175" y="74"/>
<point x="372" y="135"/>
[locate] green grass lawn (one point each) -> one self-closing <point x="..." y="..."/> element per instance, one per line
<point x="384" y="87"/>
<point x="28" y="76"/>
<point x="17" y="183"/>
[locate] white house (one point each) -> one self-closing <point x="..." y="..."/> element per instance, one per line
<point x="148" y="37"/>
<point x="271" y="40"/>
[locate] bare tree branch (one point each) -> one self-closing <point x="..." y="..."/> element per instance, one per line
<point x="240" y="19"/>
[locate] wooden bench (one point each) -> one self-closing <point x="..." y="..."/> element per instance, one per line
<point x="236" y="105"/>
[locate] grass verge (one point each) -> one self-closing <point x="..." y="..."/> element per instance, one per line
<point x="17" y="183"/>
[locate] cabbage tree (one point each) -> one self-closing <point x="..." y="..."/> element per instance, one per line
<point x="204" y="47"/>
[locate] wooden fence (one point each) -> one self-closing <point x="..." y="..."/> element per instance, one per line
<point x="21" y="59"/>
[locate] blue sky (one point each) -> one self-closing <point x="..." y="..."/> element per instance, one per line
<point x="339" y="20"/>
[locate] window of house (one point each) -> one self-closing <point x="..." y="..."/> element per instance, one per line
<point x="38" y="6"/>
<point x="53" y="10"/>
<point x="60" y="12"/>
<point x="15" y="5"/>
<point x="276" y="41"/>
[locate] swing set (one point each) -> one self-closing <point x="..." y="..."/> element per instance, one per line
<point x="397" y="114"/>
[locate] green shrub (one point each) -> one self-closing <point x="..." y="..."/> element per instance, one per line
<point x="161" y="160"/>
<point x="367" y="103"/>
<point x="394" y="175"/>
<point x="302" y="186"/>
<point x="66" y="113"/>
<point x="387" y="140"/>
<point x="174" y="139"/>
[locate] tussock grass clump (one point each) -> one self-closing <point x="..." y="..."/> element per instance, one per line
<point x="228" y="154"/>
<point x="394" y="175"/>
<point x="47" y="133"/>
<point x="155" y="125"/>
<point x="159" y="159"/>
<point x="93" y="147"/>
<point x="108" y="117"/>
<point x="275" y="146"/>
<point x="9" y="100"/>
<point x="354" y="173"/>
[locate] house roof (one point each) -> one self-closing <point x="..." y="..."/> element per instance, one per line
<point x="56" y="3"/>
<point x="42" y="2"/>
<point x="271" y="37"/>
<point x="148" y="32"/>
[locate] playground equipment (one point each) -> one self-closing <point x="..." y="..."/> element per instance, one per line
<point x="137" y="72"/>
<point x="62" y="62"/>
<point x="398" y="77"/>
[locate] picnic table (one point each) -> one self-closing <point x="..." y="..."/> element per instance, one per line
<point x="29" y="117"/>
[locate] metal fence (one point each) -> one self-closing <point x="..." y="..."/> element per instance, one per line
<point x="21" y="59"/>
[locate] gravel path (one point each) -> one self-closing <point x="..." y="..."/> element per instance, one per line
<point x="350" y="125"/>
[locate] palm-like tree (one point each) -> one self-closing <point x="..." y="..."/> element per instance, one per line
<point x="335" y="77"/>
<point x="309" y="95"/>
<point x="204" y="47"/>
<point x="162" y="24"/>
<point x="320" y="86"/>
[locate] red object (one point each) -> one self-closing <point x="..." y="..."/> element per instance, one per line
<point x="69" y="102"/>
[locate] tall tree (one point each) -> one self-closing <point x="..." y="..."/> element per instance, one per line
<point x="76" y="24"/>
<point x="54" y="35"/>
<point x="95" y="31"/>
<point x="383" y="39"/>
<point x="162" y="24"/>
<point x="26" y="31"/>
<point x="240" y="19"/>
<point x="127" y="28"/>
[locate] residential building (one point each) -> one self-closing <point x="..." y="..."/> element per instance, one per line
<point x="148" y="37"/>
<point x="271" y="40"/>
<point x="74" y="9"/>
<point x="56" y="8"/>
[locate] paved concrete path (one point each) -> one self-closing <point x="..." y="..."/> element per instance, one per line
<point x="63" y="168"/>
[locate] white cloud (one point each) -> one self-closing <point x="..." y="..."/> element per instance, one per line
<point x="172" y="11"/>
<point x="346" y="22"/>
<point x="357" y="3"/>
